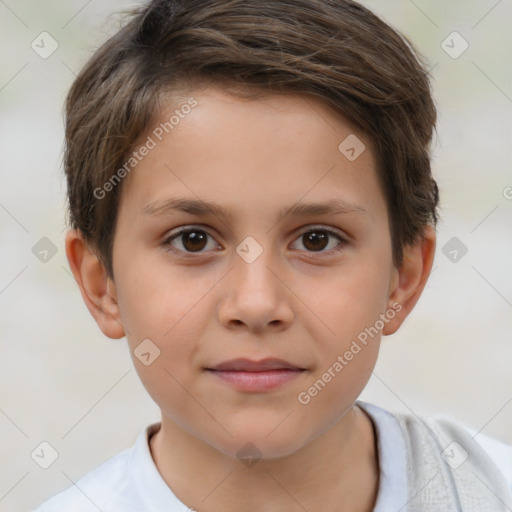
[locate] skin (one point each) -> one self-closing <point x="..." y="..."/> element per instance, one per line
<point x="292" y="302"/>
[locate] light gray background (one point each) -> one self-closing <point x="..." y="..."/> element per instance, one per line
<point x="63" y="382"/>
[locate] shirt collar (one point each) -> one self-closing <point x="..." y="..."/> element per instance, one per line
<point x="152" y="488"/>
<point x="393" y="490"/>
<point x="392" y="493"/>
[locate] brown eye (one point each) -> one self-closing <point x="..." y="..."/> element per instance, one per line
<point x="315" y="240"/>
<point x="191" y="240"/>
<point x="318" y="239"/>
<point x="194" y="240"/>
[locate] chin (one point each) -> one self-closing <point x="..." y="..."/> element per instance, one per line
<point x="261" y="439"/>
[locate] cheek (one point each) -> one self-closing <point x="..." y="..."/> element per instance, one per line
<point x="333" y="389"/>
<point x="350" y="305"/>
<point x="349" y="302"/>
<point x="158" y="303"/>
<point x="346" y="356"/>
<point x="154" y="298"/>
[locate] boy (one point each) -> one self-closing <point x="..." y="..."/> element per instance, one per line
<point x="290" y="141"/>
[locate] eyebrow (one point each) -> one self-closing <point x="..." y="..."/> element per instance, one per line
<point x="200" y="207"/>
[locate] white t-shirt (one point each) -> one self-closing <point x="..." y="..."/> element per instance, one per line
<point x="130" y="481"/>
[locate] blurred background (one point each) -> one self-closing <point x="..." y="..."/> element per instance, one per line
<point x="64" y="383"/>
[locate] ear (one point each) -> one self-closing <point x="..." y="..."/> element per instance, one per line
<point x="409" y="280"/>
<point x="98" y="290"/>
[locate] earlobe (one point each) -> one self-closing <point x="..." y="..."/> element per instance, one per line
<point x="97" y="289"/>
<point x="409" y="280"/>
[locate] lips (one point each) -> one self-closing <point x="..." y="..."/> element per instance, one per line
<point x="256" y="376"/>
<point x="247" y="365"/>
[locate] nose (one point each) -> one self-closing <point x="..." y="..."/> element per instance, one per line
<point x="255" y="296"/>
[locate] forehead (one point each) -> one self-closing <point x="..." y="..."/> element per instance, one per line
<point x="275" y="151"/>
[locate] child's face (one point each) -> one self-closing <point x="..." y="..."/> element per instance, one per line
<point x="300" y="300"/>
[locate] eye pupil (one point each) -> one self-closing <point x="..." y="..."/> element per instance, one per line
<point x="191" y="239"/>
<point x="315" y="237"/>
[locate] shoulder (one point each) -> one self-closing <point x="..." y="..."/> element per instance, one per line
<point x="447" y="466"/>
<point x="472" y="468"/>
<point x="92" y="491"/>
<point x="127" y="482"/>
<point x="498" y="451"/>
<point x="458" y="442"/>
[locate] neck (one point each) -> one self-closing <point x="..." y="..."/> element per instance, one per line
<point x="338" y="471"/>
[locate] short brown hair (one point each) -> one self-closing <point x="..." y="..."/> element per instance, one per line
<point x="335" y="51"/>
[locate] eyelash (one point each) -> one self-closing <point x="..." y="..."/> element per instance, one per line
<point x="338" y="248"/>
